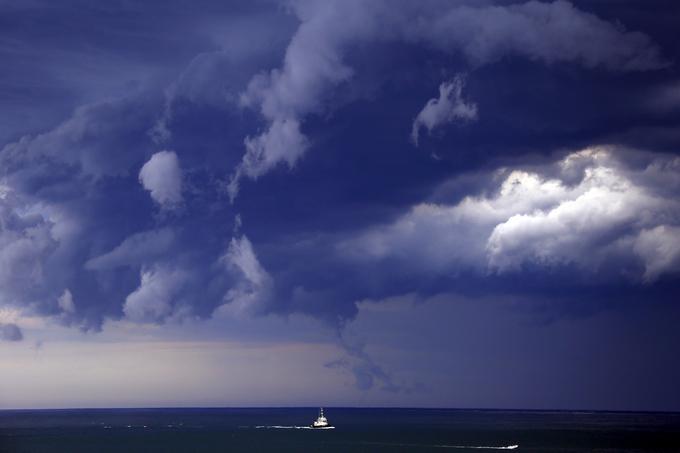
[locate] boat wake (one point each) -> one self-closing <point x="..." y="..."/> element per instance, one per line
<point x="291" y="427"/>
<point x="461" y="447"/>
<point x="320" y="423"/>
<point x="483" y="447"/>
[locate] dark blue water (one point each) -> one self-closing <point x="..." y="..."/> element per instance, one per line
<point x="357" y="430"/>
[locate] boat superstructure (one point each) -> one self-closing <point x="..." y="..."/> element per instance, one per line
<point x="321" y="422"/>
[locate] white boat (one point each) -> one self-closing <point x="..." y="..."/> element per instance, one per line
<point x="321" y="422"/>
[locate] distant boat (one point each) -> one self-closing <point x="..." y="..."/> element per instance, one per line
<point x="321" y="422"/>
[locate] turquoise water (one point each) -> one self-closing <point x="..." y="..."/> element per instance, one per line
<point x="357" y="430"/>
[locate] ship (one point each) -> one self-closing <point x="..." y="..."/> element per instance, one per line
<point x="321" y="422"/>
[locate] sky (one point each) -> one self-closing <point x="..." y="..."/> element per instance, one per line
<point x="468" y="204"/>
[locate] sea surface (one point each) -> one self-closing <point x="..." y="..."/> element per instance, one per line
<point x="356" y="430"/>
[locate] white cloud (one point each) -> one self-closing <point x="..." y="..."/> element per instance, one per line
<point x="156" y="297"/>
<point x="659" y="247"/>
<point x="436" y="237"/>
<point x="570" y="231"/>
<point x="593" y="211"/>
<point x="282" y="142"/>
<point x="313" y="64"/>
<point x="65" y="302"/>
<point x="162" y="177"/>
<point x="448" y="108"/>
<point x="253" y="286"/>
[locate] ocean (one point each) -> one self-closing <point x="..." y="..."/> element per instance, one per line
<point x="356" y="430"/>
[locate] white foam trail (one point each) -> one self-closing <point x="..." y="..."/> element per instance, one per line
<point x="290" y="427"/>
<point x="483" y="447"/>
<point x="479" y="447"/>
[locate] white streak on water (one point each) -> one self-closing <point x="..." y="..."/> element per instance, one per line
<point x="290" y="427"/>
<point x="480" y="447"/>
<point x="484" y="447"/>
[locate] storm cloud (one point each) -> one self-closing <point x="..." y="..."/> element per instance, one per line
<point x="73" y="224"/>
<point x="254" y="161"/>
<point x="589" y="209"/>
<point x="314" y="65"/>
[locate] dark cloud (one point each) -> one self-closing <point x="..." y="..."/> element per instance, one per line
<point x="115" y="195"/>
<point x="314" y="63"/>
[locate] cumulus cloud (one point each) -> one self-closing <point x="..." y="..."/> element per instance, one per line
<point x="27" y="241"/>
<point x="65" y="302"/>
<point x="10" y="332"/>
<point x="23" y="253"/>
<point x="448" y="108"/>
<point x="157" y="296"/>
<point x="659" y="247"/>
<point x="73" y="215"/>
<point x="73" y="244"/>
<point x="611" y="213"/>
<point x="161" y="175"/>
<point x="252" y="290"/>
<point x="56" y="209"/>
<point x="282" y="142"/>
<point x="314" y="61"/>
